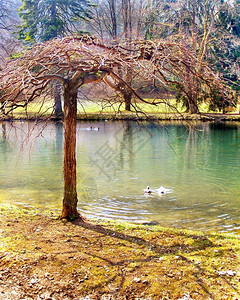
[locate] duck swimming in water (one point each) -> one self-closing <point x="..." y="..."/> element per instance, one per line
<point x="162" y="191"/>
<point x="147" y="190"/>
<point x="93" y="128"/>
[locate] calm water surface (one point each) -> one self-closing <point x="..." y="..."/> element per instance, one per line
<point x="117" y="160"/>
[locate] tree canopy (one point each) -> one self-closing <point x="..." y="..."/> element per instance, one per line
<point x="26" y="78"/>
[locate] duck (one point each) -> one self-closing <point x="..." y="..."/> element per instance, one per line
<point x="161" y="191"/>
<point x="93" y="128"/>
<point x="147" y="190"/>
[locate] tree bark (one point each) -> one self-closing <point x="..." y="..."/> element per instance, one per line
<point x="192" y="92"/>
<point x="58" y="112"/>
<point x="127" y="100"/>
<point x="70" y="200"/>
<point x="193" y="103"/>
<point x="127" y="94"/>
<point x="69" y="162"/>
<point x="112" y="7"/>
<point x="193" y="107"/>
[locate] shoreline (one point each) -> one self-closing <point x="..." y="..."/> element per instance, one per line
<point x="131" y="116"/>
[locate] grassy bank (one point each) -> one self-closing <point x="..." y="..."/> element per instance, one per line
<point x="101" y="116"/>
<point x="43" y="257"/>
<point x="100" y="110"/>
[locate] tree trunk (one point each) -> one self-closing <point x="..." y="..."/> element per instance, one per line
<point x="191" y="101"/>
<point x="125" y="18"/>
<point x="58" y="112"/>
<point x="112" y="6"/>
<point x="127" y="94"/>
<point x="69" y="162"/>
<point x="193" y="107"/>
<point x="127" y="100"/>
<point x="192" y="92"/>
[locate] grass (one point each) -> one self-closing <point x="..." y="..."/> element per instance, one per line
<point x="113" y="259"/>
<point x="103" y="109"/>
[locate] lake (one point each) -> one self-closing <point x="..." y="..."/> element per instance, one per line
<point x="116" y="161"/>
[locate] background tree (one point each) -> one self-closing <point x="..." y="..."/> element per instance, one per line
<point x="200" y="25"/>
<point x="43" y="20"/>
<point x="8" y="22"/>
<point x="119" y="20"/>
<point x="235" y="21"/>
<point x="228" y="51"/>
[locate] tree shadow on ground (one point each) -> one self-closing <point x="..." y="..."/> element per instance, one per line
<point x="159" y="250"/>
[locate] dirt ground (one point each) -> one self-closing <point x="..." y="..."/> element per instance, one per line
<point x="42" y="257"/>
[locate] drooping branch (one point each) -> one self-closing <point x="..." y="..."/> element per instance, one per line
<point x="84" y="60"/>
<point x="48" y="77"/>
<point x="118" y="87"/>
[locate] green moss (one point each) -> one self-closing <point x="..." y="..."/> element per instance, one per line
<point x="118" y="257"/>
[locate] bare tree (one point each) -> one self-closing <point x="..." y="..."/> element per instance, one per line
<point x="8" y="22"/>
<point x="8" y="14"/>
<point x="78" y="61"/>
<point x="117" y="19"/>
<point x="194" y="23"/>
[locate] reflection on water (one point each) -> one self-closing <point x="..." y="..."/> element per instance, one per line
<point x="117" y="160"/>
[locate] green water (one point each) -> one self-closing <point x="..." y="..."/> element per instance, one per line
<point x="199" y="165"/>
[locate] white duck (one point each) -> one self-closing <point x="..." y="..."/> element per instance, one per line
<point x="93" y="128"/>
<point x="161" y="191"/>
<point x="147" y="190"/>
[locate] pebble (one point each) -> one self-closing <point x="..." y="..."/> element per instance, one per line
<point x="33" y="281"/>
<point x="229" y="273"/>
